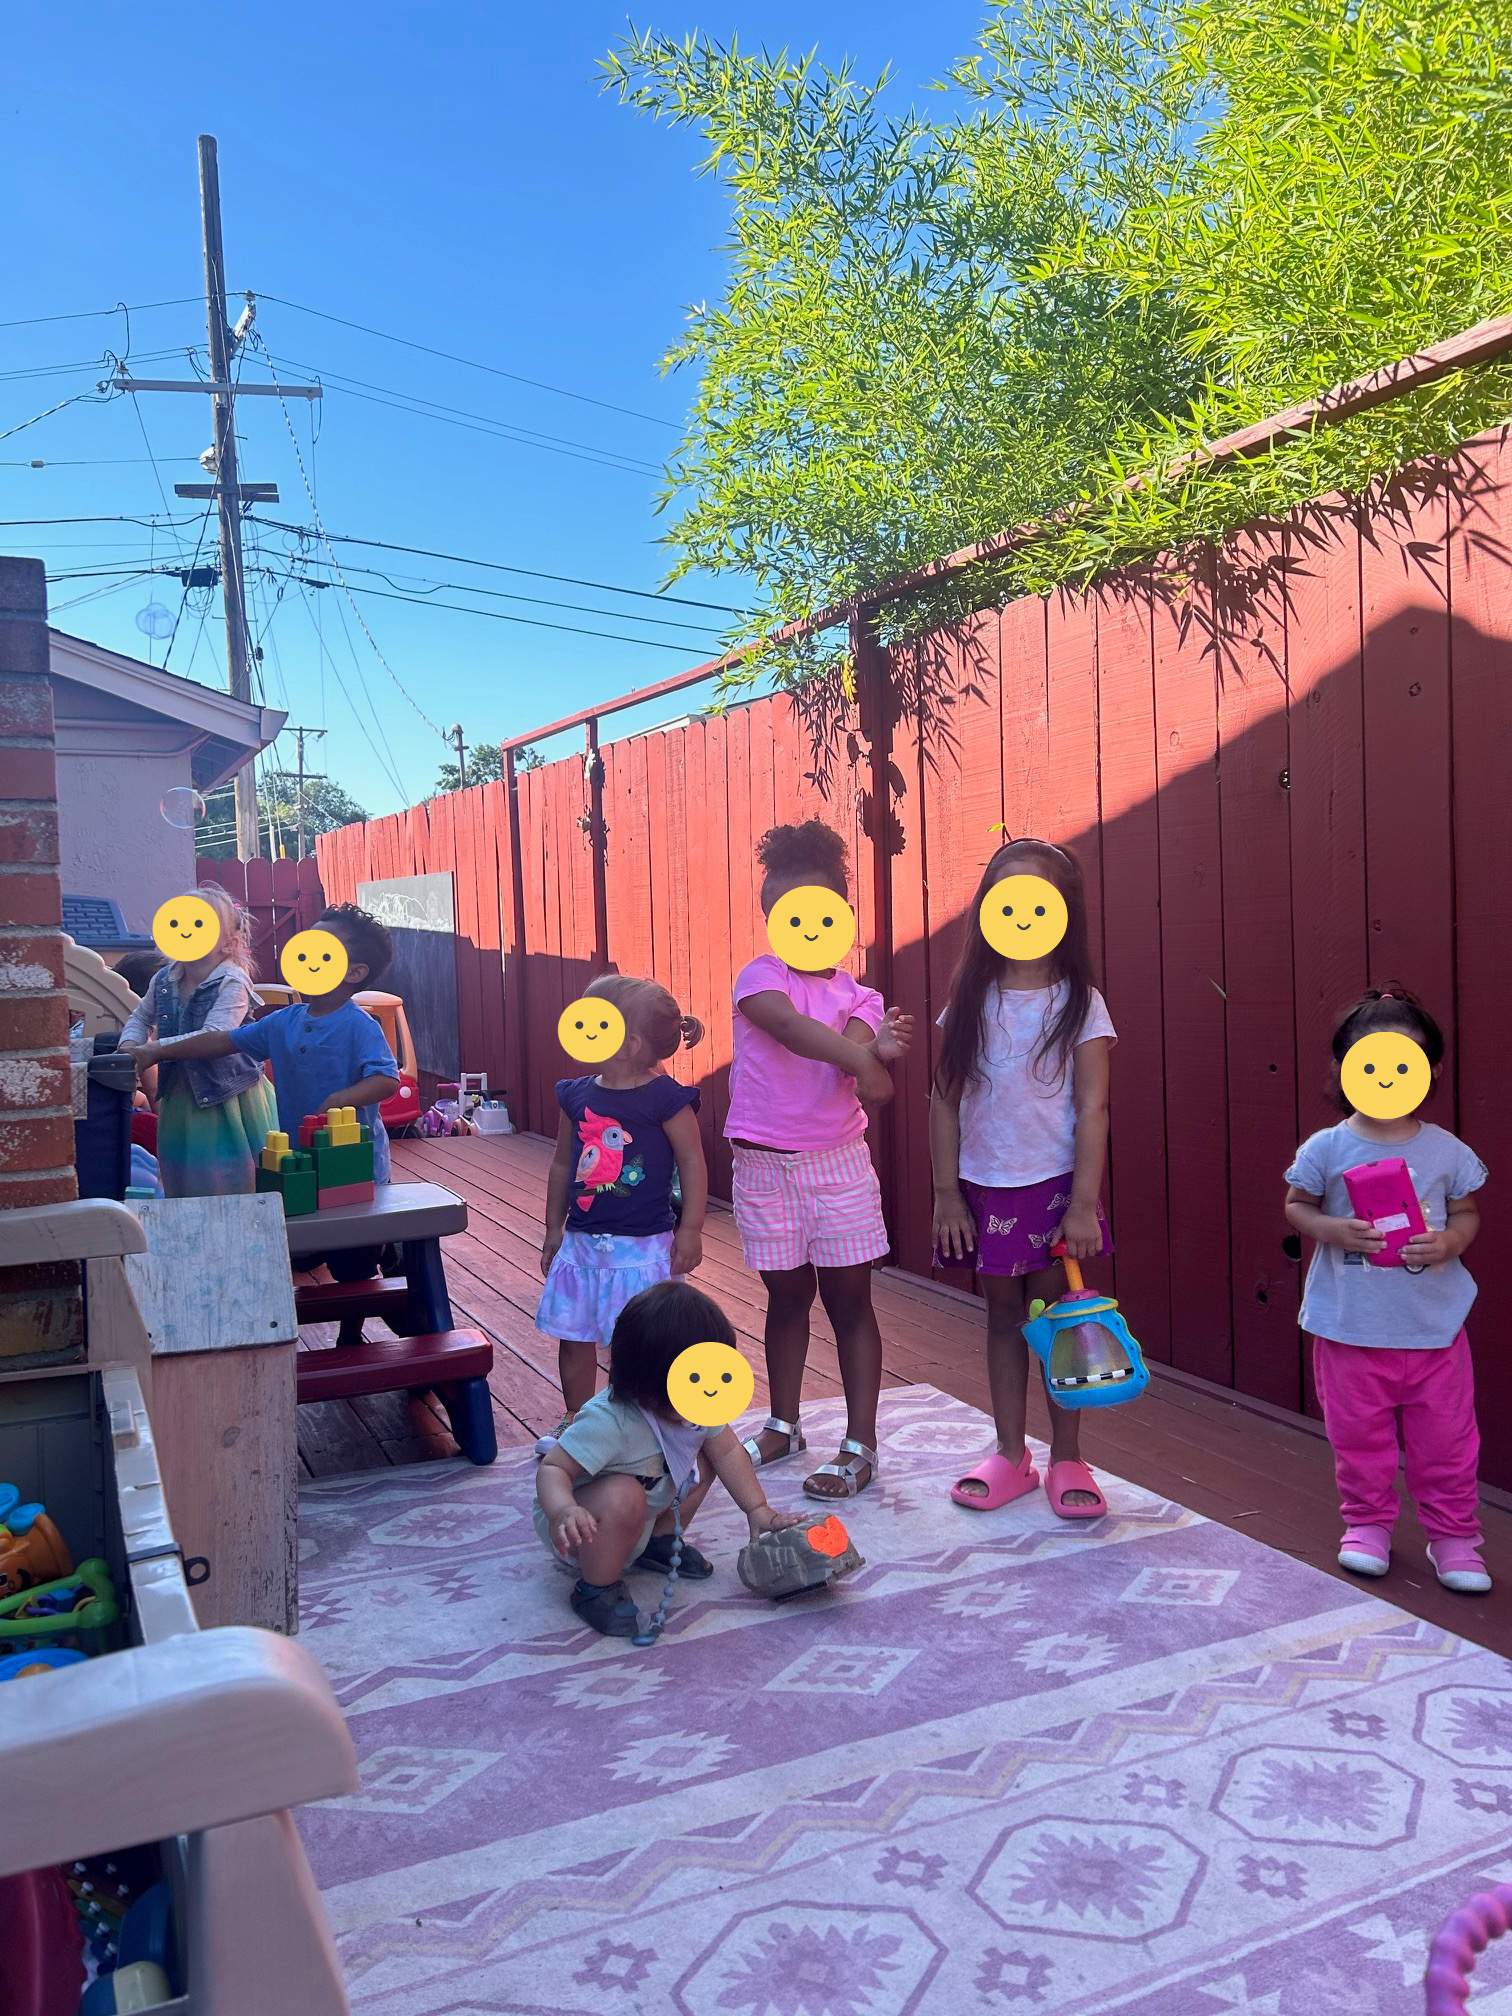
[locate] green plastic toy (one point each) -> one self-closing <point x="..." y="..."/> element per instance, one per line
<point x="44" y="1616"/>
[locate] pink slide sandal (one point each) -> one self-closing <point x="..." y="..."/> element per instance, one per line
<point x="1073" y="1475"/>
<point x="1005" y="1481"/>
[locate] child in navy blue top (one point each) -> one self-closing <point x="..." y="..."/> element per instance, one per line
<point x="625" y="1135"/>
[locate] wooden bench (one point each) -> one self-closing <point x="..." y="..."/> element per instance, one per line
<point x="455" y="1363"/>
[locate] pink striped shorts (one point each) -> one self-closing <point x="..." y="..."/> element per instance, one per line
<point x="821" y="1206"/>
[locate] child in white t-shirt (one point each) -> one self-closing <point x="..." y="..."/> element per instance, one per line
<point x="1018" y="1133"/>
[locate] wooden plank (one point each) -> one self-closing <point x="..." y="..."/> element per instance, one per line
<point x="1026" y="717"/>
<point x="1132" y="962"/>
<point x="1409" y="879"/>
<point x="1072" y="811"/>
<point x="1186" y="748"/>
<point x="1259" y="1011"/>
<point x="1481" y="679"/>
<point x="703" y="875"/>
<point x="716" y="973"/>
<point x="662" y="927"/>
<point x="913" y="1183"/>
<point x="678" y="804"/>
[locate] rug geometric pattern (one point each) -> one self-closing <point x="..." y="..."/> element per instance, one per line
<point x="1012" y="1764"/>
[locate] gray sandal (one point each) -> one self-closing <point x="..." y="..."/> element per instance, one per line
<point x="795" y="1442"/>
<point x="856" y="1454"/>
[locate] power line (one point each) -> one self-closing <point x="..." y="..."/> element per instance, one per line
<point x="21" y="426"/>
<point x="497" y="616"/>
<point x="89" y="462"/>
<point x="335" y="563"/>
<point x="424" y="588"/>
<point x="482" y="423"/>
<point x="458" y="559"/>
<point x="94" y="314"/>
<point x="494" y="370"/>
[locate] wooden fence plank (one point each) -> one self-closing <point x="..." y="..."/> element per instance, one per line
<point x="1259" y="1027"/>
<point x="1481" y="679"/>
<point x="1132" y="961"/>
<point x="1191" y="912"/>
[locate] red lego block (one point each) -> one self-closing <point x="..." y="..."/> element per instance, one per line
<point x="309" y="1127"/>
<point x="345" y="1193"/>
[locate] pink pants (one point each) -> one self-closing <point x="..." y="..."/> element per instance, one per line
<point x="1363" y="1392"/>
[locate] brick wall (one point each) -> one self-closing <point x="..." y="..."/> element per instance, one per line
<point x="41" y="1308"/>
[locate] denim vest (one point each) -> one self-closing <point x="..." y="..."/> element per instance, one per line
<point x="212" y="1080"/>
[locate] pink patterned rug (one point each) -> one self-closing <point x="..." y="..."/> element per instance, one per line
<point x="1149" y="1766"/>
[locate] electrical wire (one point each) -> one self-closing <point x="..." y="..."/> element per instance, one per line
<point x="92" y="462"/>
<point x="423" y="587"/>
<point x="472" y="364"/>
<point x="335" y="563"/>
<point x="496" y="616"/>
<point x="94" y="314"/>
<point x="462" y="560"/>
<point x="385" y="763"/>
<point x="460" y="416"/>
<point x="21" y="426"/>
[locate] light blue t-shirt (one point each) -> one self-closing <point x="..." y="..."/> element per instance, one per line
<point x="316" y="1055"/>
<point x="1388" y="1308"/>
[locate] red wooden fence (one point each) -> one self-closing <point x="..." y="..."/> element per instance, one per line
<point x="1285" y="782"/>
<point x="282" y="896"/>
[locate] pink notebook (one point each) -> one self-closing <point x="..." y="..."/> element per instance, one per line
<point x="1383" y="1193"/>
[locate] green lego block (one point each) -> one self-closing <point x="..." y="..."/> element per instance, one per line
<point x="295" y="1182"/>
<point x="335" y="1168"/>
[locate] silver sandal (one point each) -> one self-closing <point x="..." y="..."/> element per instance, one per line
<point x="857" y="1453"/>
<point x="795" y="1442"/>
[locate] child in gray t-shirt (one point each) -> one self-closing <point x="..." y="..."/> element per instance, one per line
<point x="1390" y="1340"/>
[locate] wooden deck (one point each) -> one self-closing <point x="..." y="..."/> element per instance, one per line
<point x="1265" y="1475"/>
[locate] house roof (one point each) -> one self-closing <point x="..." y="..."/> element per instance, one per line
<point x="220" y="734"/>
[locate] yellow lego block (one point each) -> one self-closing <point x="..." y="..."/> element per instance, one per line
<point x="274" y="1150"/>
<point x="342" y="1127"/>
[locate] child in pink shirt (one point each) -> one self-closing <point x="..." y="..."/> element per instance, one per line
<point x="809" y="1049"/>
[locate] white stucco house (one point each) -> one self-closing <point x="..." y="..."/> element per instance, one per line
<point x="127" y="735"/>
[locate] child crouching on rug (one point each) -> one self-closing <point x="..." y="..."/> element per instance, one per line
<point x="605" y="1491"/>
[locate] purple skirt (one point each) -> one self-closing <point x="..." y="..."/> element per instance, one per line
<point x="1017" y="1228"/>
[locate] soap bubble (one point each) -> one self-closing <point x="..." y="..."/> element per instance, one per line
<point x="155" y="621"/>
<point x="182" y="807"/>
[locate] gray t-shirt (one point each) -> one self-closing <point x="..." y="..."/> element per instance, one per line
<point x="1346" y="1298"/>
<point x="612" y="1436"/>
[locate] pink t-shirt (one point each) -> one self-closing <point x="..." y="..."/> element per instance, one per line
<point x="781" y="1101"/>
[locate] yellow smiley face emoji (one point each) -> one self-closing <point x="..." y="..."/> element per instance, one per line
<point x="710" y="1384"/>
<point x="811" y="928"/>
<point x="187" y="927"/>
<point x="590" y="1030"/>
<point x="314" y="962"/>
<point x="1386" y="1075"/>
<point x="1023" y="917"/>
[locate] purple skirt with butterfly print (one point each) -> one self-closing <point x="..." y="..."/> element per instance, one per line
<point x="1017" y="1228"/>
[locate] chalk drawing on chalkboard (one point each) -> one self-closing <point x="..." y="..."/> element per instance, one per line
<point x="411" y="902"/>
<point x="420" y="913"/>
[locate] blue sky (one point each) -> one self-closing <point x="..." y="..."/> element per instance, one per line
<point x="452" y="176"/>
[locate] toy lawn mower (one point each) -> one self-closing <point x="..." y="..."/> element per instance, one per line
<point x="1089" y="1357"/>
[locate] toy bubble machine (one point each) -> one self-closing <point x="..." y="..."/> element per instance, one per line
<point x="1089" y="1357"/>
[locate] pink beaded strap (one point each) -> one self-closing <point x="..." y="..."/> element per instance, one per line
<point x="1463" y="1935"/>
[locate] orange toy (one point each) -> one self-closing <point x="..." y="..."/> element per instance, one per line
<point x="32" y="1550"/>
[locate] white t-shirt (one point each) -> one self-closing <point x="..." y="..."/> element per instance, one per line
<point x="1018" y="1121"/>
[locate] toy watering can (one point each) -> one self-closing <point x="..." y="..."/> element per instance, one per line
<point x="1090" y="1359"/>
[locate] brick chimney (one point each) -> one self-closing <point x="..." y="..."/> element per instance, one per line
<point x="41" y="1308"/>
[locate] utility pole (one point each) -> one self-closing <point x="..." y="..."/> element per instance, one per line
<point x="228" y="492"/>
<point x="455" y="735"/>
<point x="299" y="741"/>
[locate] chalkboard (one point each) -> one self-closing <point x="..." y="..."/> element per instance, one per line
<point x="420" y="913"/>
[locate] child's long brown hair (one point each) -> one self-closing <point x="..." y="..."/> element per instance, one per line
<point x="980" y="969"/>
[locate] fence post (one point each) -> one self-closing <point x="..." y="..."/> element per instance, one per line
<point x="593" y="773"/>
<point x="870" y="670"/>
<point x="516" y="973"/>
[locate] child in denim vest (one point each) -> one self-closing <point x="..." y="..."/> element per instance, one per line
<point x="213" y="1113"/>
